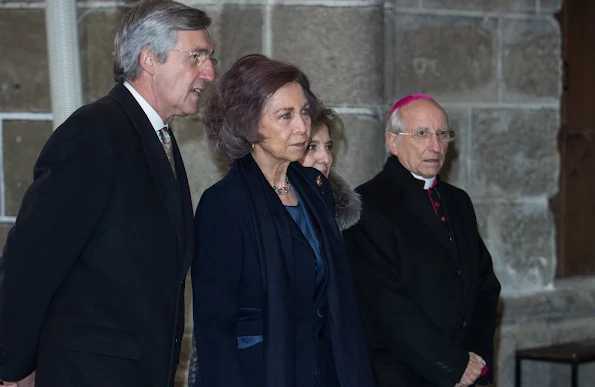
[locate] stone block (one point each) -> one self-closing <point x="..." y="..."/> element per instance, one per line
<point x="456" y="166"/>
<point x="482" y="5"/>
<point x="536" y="334"/>
<point x="97" y="29"/>
<point x="531" y="60"/>
<point x="520" y="238"/>
<point x="24" y="83"/>
<point x="510" y="338"/>
<point x="407" y="3"/>
<point x="339" y="48"/>
<point x="22" y="143"/>
<point x="4" y="229"/>
<point x="232" y="42"/>
<point x="514" y="152"/>
<point x="362" y="154"/>
<point x="452" y="58"/>
<point x="559" y="314"/>
<point x="91" y="2"/>
<point x="550" y="6"/>
<point x="203" y="167"/>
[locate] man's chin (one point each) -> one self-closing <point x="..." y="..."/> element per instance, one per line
<point x="429" y="173"/>
<point x="191" y="111"/>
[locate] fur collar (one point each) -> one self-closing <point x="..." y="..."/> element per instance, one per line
<point x="348" y="204"/>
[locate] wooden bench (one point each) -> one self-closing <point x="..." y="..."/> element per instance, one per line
<point x="574" y="354"/>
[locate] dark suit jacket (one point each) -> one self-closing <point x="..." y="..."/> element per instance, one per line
<point x="92" y="275"/>
<point x="230" y="305"/>
<point x="426" y="301"/>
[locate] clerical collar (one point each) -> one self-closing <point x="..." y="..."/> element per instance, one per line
<point x="428" y="181"/>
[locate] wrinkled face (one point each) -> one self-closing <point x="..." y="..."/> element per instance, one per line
<point x="423" y="157"/>
<point x="179" y="81"/>
<point x="285" y="124"/>
<point x="319" y="151"/>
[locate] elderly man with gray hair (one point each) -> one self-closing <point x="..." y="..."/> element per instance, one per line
<point x="423" y="275"/>
<point x="92" y="274"/>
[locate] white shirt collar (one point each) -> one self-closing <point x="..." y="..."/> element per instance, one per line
<point x="428" y="181"/>
<point x="152" y="115"/>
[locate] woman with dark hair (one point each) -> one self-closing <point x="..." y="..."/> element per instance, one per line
<point x="327" y="130"/>
<point x="274" y="304"/>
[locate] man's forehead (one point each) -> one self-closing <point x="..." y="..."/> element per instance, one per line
<point x="423" y="109"/>
<point x="198" y="40"/>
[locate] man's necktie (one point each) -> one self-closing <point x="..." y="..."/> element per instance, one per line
<point x="168" y="147"/>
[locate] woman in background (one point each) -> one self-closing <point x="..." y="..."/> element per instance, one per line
<point x="327" y="130"/>
<point x="274" y="303"/>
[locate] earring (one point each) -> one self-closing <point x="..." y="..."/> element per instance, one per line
<point x="252" y="145"/>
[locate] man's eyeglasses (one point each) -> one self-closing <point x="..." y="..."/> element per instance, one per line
<point x="425" y="135"/>
<point x="200" y="57"/>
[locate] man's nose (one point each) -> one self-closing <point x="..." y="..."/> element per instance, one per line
<point x="208" y="71"/>
<point x="435" y="143"/>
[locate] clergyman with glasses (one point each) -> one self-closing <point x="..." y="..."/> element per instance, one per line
<point x="92" y="274"/>
<point x="423" y="275"/>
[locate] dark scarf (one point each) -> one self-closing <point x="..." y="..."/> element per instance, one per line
<point x="277" y="262"/>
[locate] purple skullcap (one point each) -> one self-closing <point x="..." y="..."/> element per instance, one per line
<point x="405" y="100"/>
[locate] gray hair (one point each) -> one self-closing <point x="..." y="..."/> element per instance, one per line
<point x="394" y="124"/>
<point x="153" y="24"/>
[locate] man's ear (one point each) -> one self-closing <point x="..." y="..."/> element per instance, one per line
<point x="147" y="60"/>
<point x="391" y="142"/>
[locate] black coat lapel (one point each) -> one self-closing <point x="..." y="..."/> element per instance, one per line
<point x="160" y="168"/>
<point x="318" y="213"/>
<point x="416" y="201"/>
<point x="346" y="332"/>
<point x="419" y="205"/>
<point x="453" y="210"/>
<point x="186" y="203"/>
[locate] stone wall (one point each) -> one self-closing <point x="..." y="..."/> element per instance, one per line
<point x="493" y="64"/>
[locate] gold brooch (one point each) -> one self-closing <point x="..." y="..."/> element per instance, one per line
<point x="319" y="180"/>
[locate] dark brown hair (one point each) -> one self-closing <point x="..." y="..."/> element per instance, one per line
<point x="233" y="111"/>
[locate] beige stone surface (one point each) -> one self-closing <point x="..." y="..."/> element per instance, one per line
<point x="234" y="42"/>
<point x="407" y="3"/>
<point x="531" y="60"/>
<point x="514" y="152"/>
<point x="363" y="154"/>
<point x="550" y="6"/>
<point x="450" y="57"/>
<point x="482" y="5"/>
<point x="97" y="29"/>
<point x="338" y="48"/>
<point x="24" y="78"/>
<point x="203" y="167"/>
<point x="520" y="237"/>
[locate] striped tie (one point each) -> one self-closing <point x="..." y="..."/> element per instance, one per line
<point x="167" y="146"/>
